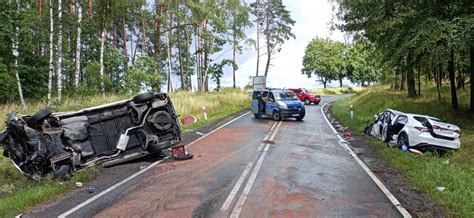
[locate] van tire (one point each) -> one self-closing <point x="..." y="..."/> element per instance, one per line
<point x="39" y="117"/>
<point x="300" y="118"/>
<point x="144" y="97"/>
<point x="276" y="115"/>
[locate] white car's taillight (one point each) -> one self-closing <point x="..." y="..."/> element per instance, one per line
<point x="422" y="129"/>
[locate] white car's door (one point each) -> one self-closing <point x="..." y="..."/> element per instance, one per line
<point x="378" y="125"/>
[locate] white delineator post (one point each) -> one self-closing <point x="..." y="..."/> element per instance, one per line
<point x="351" y="110"/>
<point x="205" y="113"/>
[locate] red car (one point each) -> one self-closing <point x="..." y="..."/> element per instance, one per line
<point x="306" y="96"/>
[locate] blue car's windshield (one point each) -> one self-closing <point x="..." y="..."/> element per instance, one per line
<point x="281" y="96"/>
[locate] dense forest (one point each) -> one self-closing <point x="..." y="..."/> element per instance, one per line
<point x="416" y="41"/>
<point x="55" y="48"/>
<point x="400" y="43"/>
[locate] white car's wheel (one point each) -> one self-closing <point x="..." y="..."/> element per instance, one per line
<point x="403" y="140"/>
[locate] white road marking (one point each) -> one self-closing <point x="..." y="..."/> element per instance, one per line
<point x="245" y="193"/>
<point x="269" y="133"/>
<point x="382" y="187"/>
<point x="274" y="132"/>
<point x="248" y="186"/>
<point x="242" y="177"/>
<point x="236" y="188"/>
<point x="260" y="147"/>
<point x="111" y="188"/>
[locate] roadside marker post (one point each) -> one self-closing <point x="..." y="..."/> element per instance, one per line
<point x="351" y="110"/>
<point x="205" y="113"/>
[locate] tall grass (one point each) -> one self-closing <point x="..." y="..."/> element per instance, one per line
<point x="18" y="193"/>
<point x="428" y="171"/>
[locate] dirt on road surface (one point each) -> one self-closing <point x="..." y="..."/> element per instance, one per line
<point x="249" y="168"/>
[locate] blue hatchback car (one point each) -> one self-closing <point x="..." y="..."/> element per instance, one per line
<point x="277" y="104"/>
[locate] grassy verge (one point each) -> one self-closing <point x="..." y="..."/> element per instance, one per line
<point x="18" y="193"/>
<point x="425" y="172"/>
<point x="337" y="91"/>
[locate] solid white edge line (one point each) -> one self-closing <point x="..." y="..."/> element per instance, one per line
<point x="236" y="188"/>
<point x="374" y="178"/>
<point x="111" y="188"/>
<point x="248" y="186"/>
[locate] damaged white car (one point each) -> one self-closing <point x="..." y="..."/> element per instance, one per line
<point x="61" y="143"/>
<point x="415" y="131"/>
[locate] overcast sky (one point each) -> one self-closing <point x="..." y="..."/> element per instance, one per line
<point x="312" y="18"/>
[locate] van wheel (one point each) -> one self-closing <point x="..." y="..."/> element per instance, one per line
<point x="300" y="118"/>
<point x="144" y="97"/>
<point x="39" y="117"/>
<point x="307" y="101"/>
<point x="276" y="115"/>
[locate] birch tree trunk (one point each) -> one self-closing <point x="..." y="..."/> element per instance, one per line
<point x="101" y="62"/>
<point x="60" y="52"/>
<point x="16" y="54"/>
<point x="144" y="49"/>
<point x="51" y="51"/>
<point x="180" y="59"/>
<point x="198" y="59"/>
<point x="78" y="43"/>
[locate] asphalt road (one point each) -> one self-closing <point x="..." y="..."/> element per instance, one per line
<point x="251" y="168"/>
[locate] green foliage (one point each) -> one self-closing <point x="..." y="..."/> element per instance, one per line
<point x="115" y="70"/>
<point x="142" y="75"/>
<point x="417" y="35"/>
<point x="330" y="60"/>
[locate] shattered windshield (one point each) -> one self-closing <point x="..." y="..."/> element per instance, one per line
<point x="281" y="96"/>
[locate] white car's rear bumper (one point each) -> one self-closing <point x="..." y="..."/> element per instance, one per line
<point x="417" y="138"/>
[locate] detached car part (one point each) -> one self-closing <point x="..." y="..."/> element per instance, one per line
<point x="61" y="143"/>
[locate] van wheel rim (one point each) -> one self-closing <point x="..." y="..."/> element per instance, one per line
<point x="306" y="101"/>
